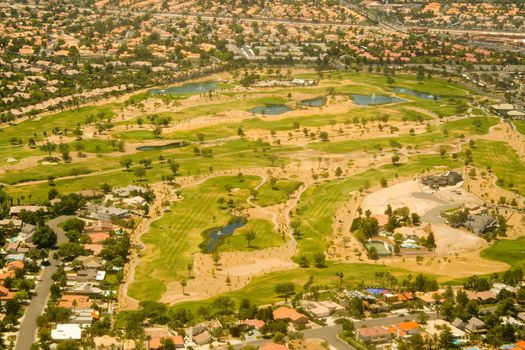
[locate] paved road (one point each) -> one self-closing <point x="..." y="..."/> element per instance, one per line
<point x="329" y="333"/>
<point x="27" y="333"/>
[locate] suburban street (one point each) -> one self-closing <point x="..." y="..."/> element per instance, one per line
<point x="27" y="333"/>
<point x="329" y="333"/>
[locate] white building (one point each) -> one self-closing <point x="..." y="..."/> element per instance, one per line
<point x="66" y="332"/>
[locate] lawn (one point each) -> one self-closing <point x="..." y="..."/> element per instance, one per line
<point x="265" y="237"/>
<point x="509" y="251"/>
<point x="172" y="239"/>
<point x="319" y="203"/>
<point x="280" y="192"/>
<point x="503" y="162"/>
<point x="520" y="126"/>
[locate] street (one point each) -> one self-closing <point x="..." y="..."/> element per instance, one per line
<point x="27" y="331"/>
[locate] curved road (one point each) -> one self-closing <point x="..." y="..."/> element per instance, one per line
<point x="27" y="333"/>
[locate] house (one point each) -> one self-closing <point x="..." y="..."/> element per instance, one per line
<point x="434" y="328"/>
<point x="16" y="209"/>
<point x="316" y="309"/>
<point x="74" y="301"/>
<point x="202" y="338"/>
<point x="502" y="109"/>
<point x="451" y="178"/>
<point x="129" y="190"/>
<point x="5" y="294"/>
<point x="475" y="325"/>
<point x="99" y="212"/>
<point x="66" y="332"/>
<point x="405" y="329"/>
<point x="156" y="343"/>
<point x="286" y="313"/>
<point x="257" y="324"/>
<point x="458" y="323"/>
<point x="373" y="334"/>
<point x="480" y="223"/>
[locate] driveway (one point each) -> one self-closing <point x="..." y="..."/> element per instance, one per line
<point x="28" y="328"/>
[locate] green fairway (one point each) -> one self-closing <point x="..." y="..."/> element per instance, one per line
<point x="280" y="192"/>
<point x="436" y="135"/>
<point x="503" y="162"/>
<point x="172" y="239"/>
<point x="265" y="237"/>
<point x="509" y="251"/>
<point x="319" y="203"/>
<point x="41" y="127"/>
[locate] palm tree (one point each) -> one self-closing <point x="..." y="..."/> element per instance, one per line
<point x="189" y="267"/>
<point x="340" y="275"/>
<point x="183" y="283"/>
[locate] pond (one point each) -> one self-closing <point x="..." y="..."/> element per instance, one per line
<point x="270" y="109"/>
<point x="188" y="88"/>
<point x="215" y="235"/>
<point x="313" y="102"/>
<point x="371" y="100"/>
<point x="166" y="146"/>
<point x="418" y="94"/>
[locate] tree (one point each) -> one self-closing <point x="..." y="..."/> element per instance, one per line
<point x="140" y="173"/>
<point x="373" y="254"/>
<point x="48" y="147"/>
<point x="189" y="267"/>
<point x="64" y="151"/>
<point x="395" y="159"/>
<point x="126" y="163"/>
<point x="338" y="172"/>
<point x="431" y="241"/>
<point x="340" y="276"/>
<point x="249" y="236"/>
<point x="44" y="237"/>
<point x="446" y="338"/>
<point x="183" y="284"/>
<point x="324" y="136"/>
<point x="285" y="290"/>
<point x="420" y="74"/>
<point x="320" y="260"/>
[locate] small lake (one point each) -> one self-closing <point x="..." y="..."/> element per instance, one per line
<point x="166" y="146"/>
<point x="418" y="94"/>
<point x="371" y="100"/>
<point x="270" y="109"/>
<point x="215" y="235"/>
<point x="313" y="102"/>
<point x="188" y="88"/>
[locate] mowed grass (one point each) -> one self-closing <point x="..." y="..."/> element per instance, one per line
<point x="261" y="290"/>
<point x="265" y="237"/>
<point x="172" y="239"/>
<point x="40" y="128"/>
<point x="520" y="126"/>
<point x="280" y="192"/>
<point x="234" y="155"/>
<point x="436" y="135"/>
<point x="319" y="203"/>
<point x="509" y="251"/>
<point x="503" y="162"/>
